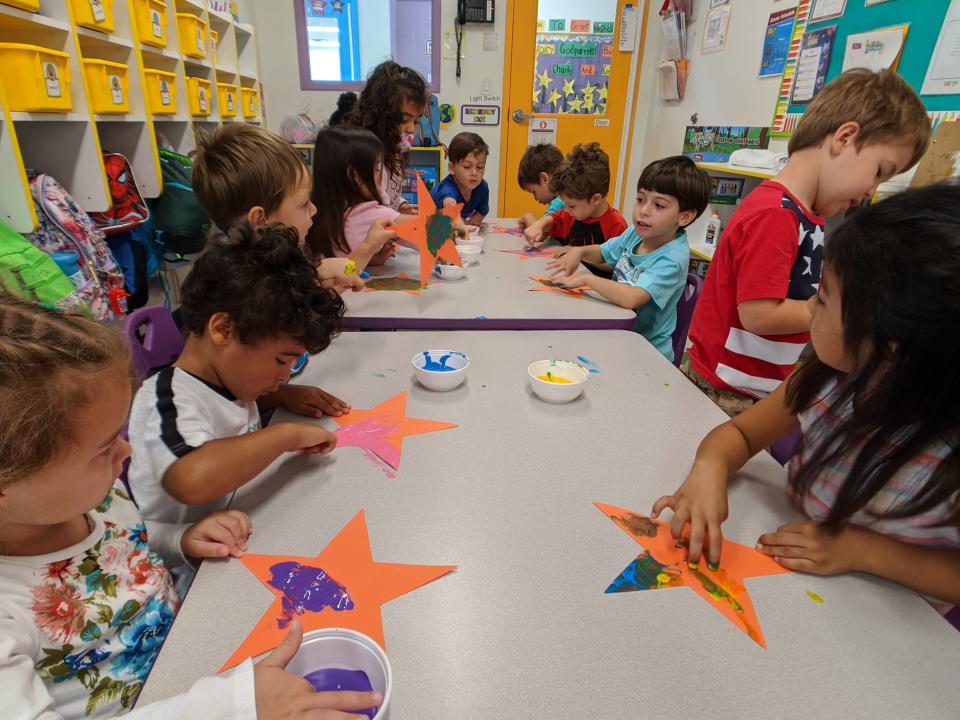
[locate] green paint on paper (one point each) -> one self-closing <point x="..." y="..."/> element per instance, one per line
<point x="393" y="283"/>
<point x="439" y="230"/>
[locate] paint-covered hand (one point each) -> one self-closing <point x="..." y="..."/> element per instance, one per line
<point x="312" y="439"/>
<point x="533" y="234"/>
<point x="526" y="220"/>
<point x="284" y="696"/>
<point x="565" y="261"/>
<point x="310" y="401"/>
<point x="219" y="534"/>
<point x="810" y="547"/>
<point x="332" y="273"/>
<point x="701" y="502"/>
<point x="575" y="281"/>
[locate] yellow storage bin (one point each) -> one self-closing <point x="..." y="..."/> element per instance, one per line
<point x="251" y="101"/>
<point x="108" y="86"/>
<point x="161" y="92"/>
<point x="193" y="35"/>
<point x="151" y="18"/>
<point x="96" y="14"/>
<point x="31" y="5"/>
<point x="37" y="79"/>
<point x="228" y="99"/>
<point x="198" y="95"/>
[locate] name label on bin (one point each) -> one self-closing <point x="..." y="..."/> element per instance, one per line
<point x="52" y="78"/>
<point x="230" y="101"/>
<point x="252" y="106"/>
<point x="200" y="39"/>
<point x="155" y="24"/>
<point x="203" y="100"/>
<point x="96" y="7"/>
<point x="116" y="90"/>
<point x="164" y="93"/>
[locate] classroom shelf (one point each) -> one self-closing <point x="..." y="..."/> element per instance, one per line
<point x="728" y="169"/>
<point x="69" y="145"/>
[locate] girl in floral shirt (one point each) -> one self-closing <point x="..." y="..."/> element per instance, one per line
<point x="86" y="599"/>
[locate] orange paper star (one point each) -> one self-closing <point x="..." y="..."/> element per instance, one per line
<point x="342" y="587"/>
<point x="381" y="429"/>
<point x="547" y="284"/>
<point x="431" y="232"/>
<point x="664" y="564"/>
<point x="527" y="252"/>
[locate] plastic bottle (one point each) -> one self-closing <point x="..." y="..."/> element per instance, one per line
<point x="714" y="224"/>
<point x="69" y="262"/>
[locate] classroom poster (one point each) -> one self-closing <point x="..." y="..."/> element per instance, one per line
<point x="715" y="30"/>
<point x="572" y="70"/>
<point x="875" y="50"/>
<point x="827" y="10"/>
<point x="817" y="47"/>
<point x="943" y="72"/>
<point x="776" y="42"/>
<point x="715" y="143"/>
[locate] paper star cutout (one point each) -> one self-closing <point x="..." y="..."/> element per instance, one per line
<point x="589" y="89"/>
<point x="663" y="564"/>
<point x="548" y="284"/>
<point x="381" y="429"/>
<point x="400" y="282"/>
<point x="602" y="94"/>
<point x="544" y="79"/>
<point x="818" y="237"/>
<point x="574" y="105"/>
<point x="431" y="232"/>
<point x="343" y="575"/>
<point x="525" y="253"/>
<point x="536" y="95"/>
<point x="588" y="103"/>
<point x="554" y="97"/>
<point x="515" y="231"/>
<point x="568" y="88"/>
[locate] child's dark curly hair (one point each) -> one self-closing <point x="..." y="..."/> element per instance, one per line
<point x="262" y="280"/>
<point x="584" y="173"/>
<point x="380" y="107"/>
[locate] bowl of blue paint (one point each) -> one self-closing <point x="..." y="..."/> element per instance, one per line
<point x="335" y="659"/>
<point x="440" y="369"/>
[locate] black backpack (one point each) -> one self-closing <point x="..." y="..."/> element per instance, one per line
<point x="180" y="226"/>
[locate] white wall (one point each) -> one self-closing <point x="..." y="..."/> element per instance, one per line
<point x="481" y="81"/>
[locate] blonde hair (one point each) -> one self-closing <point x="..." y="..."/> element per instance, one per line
<point x="885" y="107"/>
<point x="51" y="363"/>
<point x="242" y="166"/>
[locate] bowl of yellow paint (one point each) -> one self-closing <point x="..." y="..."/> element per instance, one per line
<point x="557" y="381"/>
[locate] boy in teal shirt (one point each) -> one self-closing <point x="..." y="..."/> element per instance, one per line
<point x="649" y="261"/>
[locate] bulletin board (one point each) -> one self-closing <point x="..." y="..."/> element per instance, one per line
<point x="924" y="17"/>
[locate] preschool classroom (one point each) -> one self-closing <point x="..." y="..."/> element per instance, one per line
<point x="518" y="378"/>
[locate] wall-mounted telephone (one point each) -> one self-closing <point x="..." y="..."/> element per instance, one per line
<point x="474" y="11"/>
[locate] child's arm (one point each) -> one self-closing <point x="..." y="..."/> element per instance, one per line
<point x="377" y="237"/>
<point x="567" y="260"/>
<point x="304" y="400"/>
<point x="774" y="317"/>
<point x="701" y="500"/>
<point x="476" y="218"/>
<point x="221" y="466"/>
<point x="537" y="231"/>
<point x="622" y="294"/>
<point x="526" y="220"/>
<point x="331" y="272"/>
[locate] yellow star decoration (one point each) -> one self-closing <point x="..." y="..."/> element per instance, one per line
<point x="536" y="95"/>
<point x="603" y="93"/>
<point x="574" y="105"/>
<point x="568" y="88"/>
<point x="589" y="89"/>
<point x="544" y="79"/>
<point x="588" y="103"/>
<point x="554" y="97"/>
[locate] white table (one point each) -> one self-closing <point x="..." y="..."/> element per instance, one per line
<point x="493" y="296"/>
<point x="523" y="628"/>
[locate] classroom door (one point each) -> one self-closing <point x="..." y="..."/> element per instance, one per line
<point x="567" y="83"/>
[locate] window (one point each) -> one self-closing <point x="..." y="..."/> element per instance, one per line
<point x="340" y="41"/>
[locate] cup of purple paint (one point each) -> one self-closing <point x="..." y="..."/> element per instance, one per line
<point x="334" y="659"/>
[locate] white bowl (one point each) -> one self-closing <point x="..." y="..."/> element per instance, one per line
<point x="449" y="272"/>
<point x="474" y="239"/>
<point x="427" y="367"/>
<point x="347" y="650"/>
<point x="563" y="370"/>
<point x="468" y="254"/>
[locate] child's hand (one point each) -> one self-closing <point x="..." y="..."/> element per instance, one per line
<point x="284" y="696"/>
<point x="407" y="209"/>
<point x="310" y="401"/>
<point x="385" y="253"/>
<point x="332" y="274"/>
<point x="565" y="262"/>
<point x="533" y="235"/>
<point x="809" y="547"/>
<point x="526" y="220"/>
<point x="312" y="439"/>
<point x="574" y="281"/>
<point x="700" y="501"/>
<point x="378" y="236"/>
<point x="219" y="534"/>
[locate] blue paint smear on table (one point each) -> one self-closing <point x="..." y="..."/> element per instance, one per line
<point x="590" y="364"/>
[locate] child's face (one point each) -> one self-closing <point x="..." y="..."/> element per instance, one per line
<point x="82" y="473"/>
<point x="849" y="177"/>
<point x="296" y="210"/>
<point x="583" y="208"/>
<point x="411" y="112"/>
<point x="468" y="173"/>
<point x="656" y="215"/>
<point x="541" y="190"/>
<point x="826" y="324"/>
<point x="251" y="371"/>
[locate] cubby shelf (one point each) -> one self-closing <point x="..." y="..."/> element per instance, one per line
<point x="69" y="145"/>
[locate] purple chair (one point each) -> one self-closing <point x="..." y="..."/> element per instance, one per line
<point x="685" y="306"/>
<point x="953" y="617"/>
<point x="154" y="338"/>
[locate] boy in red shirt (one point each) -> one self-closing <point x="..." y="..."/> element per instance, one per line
<point x="582" y="182"/>
<point x="751" y="321"/>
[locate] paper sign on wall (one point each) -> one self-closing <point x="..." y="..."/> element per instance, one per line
<point x="875" y="50"/>
<point x="480" y="115"/>
<point x="543" y="131"/>
<point x="627" y="41"/>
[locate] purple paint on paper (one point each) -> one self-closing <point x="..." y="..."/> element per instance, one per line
<point x="338" y="679"/>
<point x="306" y="589"/>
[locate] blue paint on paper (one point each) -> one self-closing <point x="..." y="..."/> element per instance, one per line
<point x="306" y="589"/>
